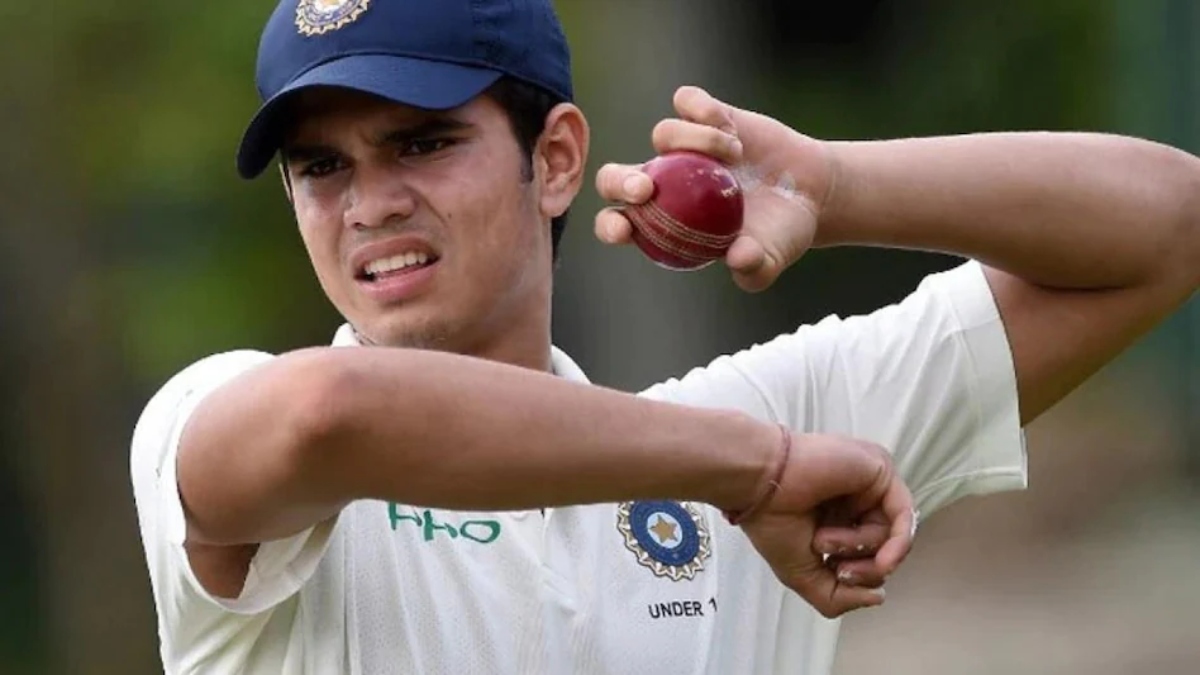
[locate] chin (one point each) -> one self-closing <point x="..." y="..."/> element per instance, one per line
<point x="407" y="331"/>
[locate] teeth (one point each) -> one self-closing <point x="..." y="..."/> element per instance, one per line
<point x="396" y="262"/>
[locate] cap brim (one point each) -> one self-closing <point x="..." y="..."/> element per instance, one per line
<point x="432" y="85"/>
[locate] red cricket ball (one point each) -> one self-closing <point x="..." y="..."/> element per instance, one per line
<point x="694" y="215"/>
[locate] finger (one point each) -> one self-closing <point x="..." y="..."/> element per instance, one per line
<point x="863" y="541"/>
<point x="624" y="183"/>
<point x="861" y="573"/>
<point x="676" y="135"/>
<point x="899" y="509"/>
<point x="612" y="227"/>
<point x="697" y="105"/>
<point x="833" y="598"/>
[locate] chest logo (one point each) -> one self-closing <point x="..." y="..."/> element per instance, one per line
<point x="668" y="537"/>
<point x="317" y="17"/>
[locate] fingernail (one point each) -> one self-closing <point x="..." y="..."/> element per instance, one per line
<point x="845" y="576"/>
<point x="879" y="592"/>
<point x="735" y="145"/>
<point x="860" y="548"/>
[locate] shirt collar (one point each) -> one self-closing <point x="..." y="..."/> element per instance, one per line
<point x="562" y="364"/>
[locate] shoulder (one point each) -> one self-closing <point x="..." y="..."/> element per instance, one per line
<point x="170" y="404"/>
<point x="943" y="304"/>
<point x="947" y="321"/>
<point x="213" y="368"/>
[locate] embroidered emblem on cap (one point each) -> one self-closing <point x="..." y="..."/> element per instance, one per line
<point x="668" y="537"/>
<point x="317" y="17"/>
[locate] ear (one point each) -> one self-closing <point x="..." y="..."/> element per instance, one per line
<point x="561" y="158"/>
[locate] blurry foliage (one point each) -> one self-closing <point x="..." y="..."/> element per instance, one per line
<point x="195" y="258"/>
<point x="922" y="67"/>
<point x="128" y="114"/>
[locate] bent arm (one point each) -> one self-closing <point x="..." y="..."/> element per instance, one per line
<point x="288" y="444"/>
<point x="1090" y="239"/>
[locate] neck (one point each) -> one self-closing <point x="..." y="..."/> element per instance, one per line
<point x="518" y="331"/>
<point x="531" y="352"/>
<point x="526" y="345"/>
<point x="523" y="341"/>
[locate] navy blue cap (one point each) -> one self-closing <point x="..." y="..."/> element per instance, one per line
<point x="432" y="54"/>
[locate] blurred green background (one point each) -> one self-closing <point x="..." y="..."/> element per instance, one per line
<point x="130" y="248"/>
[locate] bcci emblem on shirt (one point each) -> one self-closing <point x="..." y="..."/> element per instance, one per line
<point x="317" y="17"/>
<point x="668" y="537"/>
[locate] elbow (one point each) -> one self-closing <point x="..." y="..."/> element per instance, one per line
<point x="1176" y="254"/>
<point x="319" y="382"/>
<point x="1184" y="246"/>
<point x="265" y="458"/>
<point x="337" y="399"/>
<point x="1190" y="229"/>
<point x="324" y="387"/>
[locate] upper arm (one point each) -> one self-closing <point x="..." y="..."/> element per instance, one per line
<point x="209" y="586"/>
<point x="1061" y="337"/>
<point x="157" y="437"/>
<point x="241" y="470"/>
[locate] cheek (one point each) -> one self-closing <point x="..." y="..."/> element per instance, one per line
<point x="319" y="233"/>
<point x="504" y="229"/>
<point x="515" y="216"/>
<point x="491" y="216"/>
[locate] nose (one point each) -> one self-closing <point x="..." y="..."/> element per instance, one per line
<point x="377" y="196"/>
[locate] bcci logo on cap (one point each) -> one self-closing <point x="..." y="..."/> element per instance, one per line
<point x="317" y="17"/>
<point x="668" y="537"/>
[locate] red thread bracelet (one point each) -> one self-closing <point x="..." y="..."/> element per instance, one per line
<point x="739" y="517"/>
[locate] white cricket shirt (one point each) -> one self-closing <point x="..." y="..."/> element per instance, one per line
<point x="650" y="587"/>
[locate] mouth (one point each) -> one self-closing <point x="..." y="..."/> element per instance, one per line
<point x="393" y="266"/>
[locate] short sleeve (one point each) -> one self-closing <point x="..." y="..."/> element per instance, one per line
<point x="930" y="378"/>
<point x="279" y="568"/>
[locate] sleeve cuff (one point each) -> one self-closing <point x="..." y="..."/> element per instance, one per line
<point x="279" y="568"/>
<point x="1000" y="458"/>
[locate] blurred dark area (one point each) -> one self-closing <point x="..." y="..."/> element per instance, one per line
<point x="129" y="248"/>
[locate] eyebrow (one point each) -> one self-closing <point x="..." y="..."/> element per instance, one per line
<point x="431" y="126"/>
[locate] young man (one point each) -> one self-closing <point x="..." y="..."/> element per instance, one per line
<point x="442" y="492"/>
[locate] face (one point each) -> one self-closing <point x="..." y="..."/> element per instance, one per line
<point x="422" y="227"/>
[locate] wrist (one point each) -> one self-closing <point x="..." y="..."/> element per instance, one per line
<point x="769" y="482"/>
<point x="750" y="451"/>
<point x="835" y="201"/>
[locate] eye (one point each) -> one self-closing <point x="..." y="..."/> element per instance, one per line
<point x="425" y="146"/>
<point x="321" y="167"/>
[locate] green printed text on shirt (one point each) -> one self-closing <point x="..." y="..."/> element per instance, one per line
<point x="478" y="531"/>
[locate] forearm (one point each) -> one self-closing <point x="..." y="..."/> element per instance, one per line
<point x="446" y="431"/>
<point x="1059" y="210"/>
<point x="467" y="433"/>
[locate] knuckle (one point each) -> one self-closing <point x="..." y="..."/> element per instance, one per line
<point x="714" y="114"/>
<point x="717" y="142"/>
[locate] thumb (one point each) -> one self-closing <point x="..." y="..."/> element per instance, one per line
<point x="754" y="267"/>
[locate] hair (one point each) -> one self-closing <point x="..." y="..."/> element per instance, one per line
<point x="527" y="107"/>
